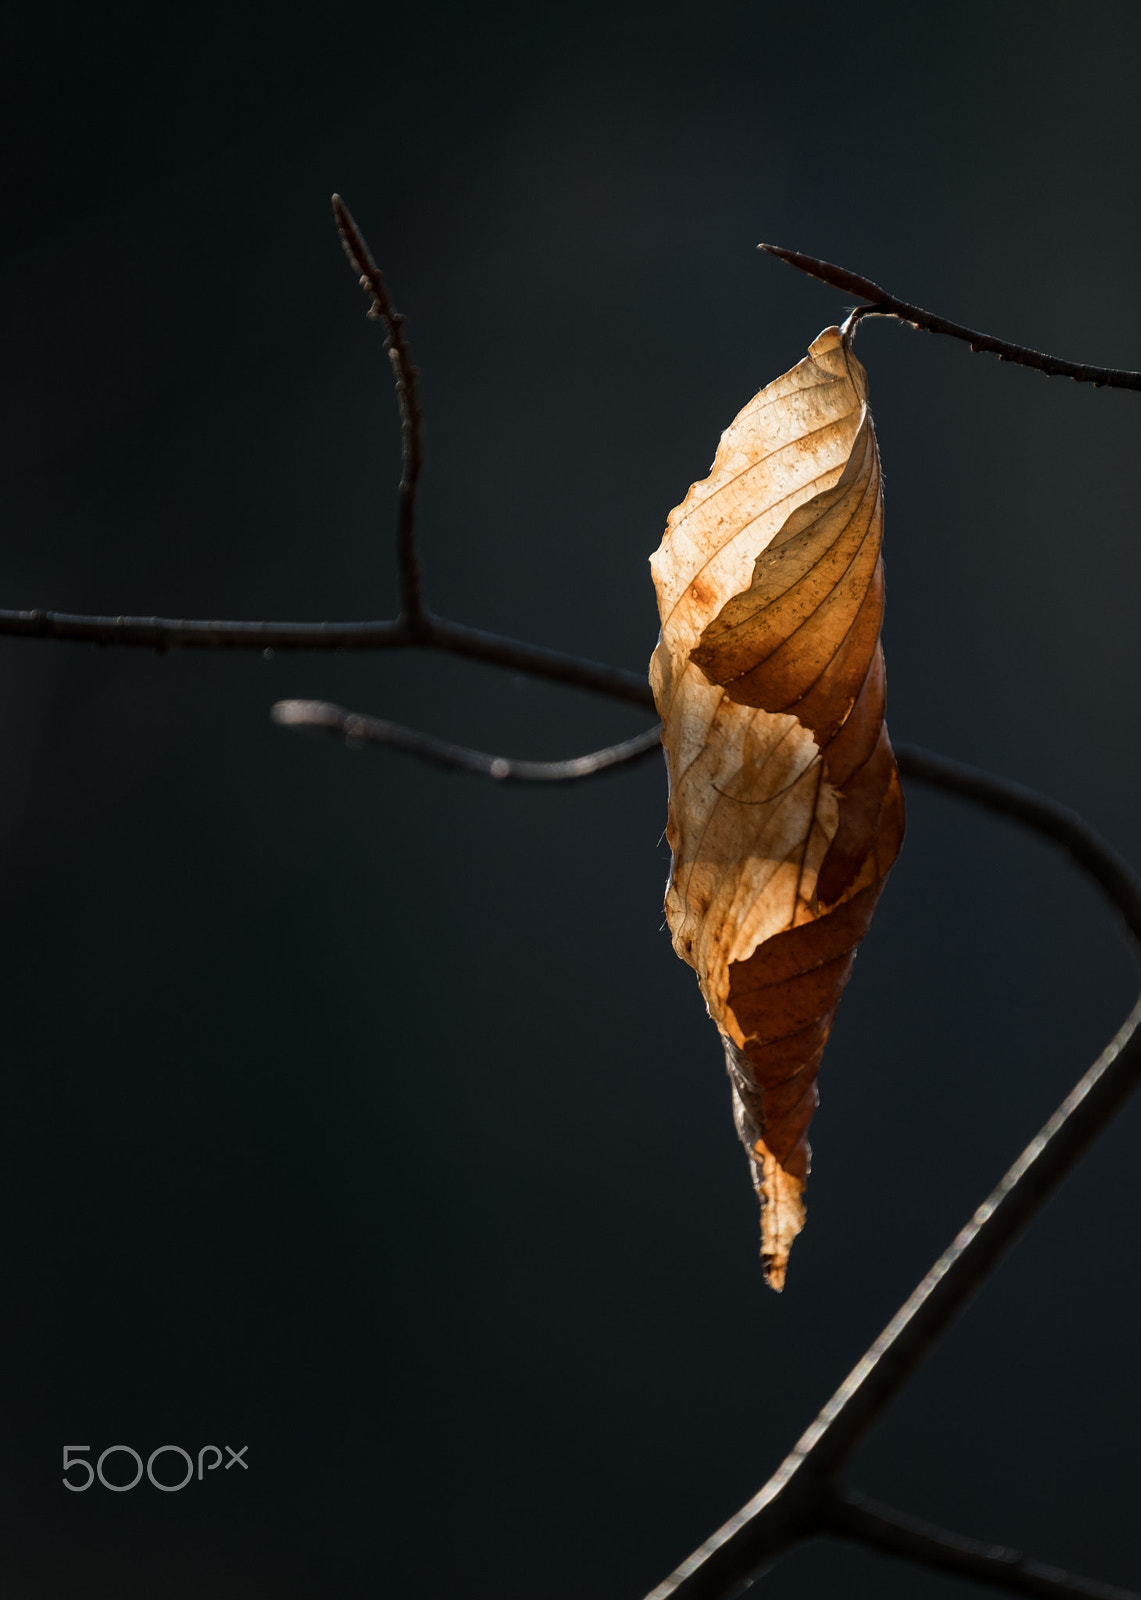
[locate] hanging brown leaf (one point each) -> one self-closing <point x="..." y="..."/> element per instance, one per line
<point x="785" y="808"/>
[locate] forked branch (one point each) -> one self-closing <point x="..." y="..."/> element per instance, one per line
<point x="803" y="1498"/>
<point x="865" y="1522"/>
<point x="800" y="1499"/>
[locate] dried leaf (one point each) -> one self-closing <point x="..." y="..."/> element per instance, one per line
<point x="785" y="808"/>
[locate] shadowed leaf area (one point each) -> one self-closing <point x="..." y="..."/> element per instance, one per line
<point x="785" y="808"/>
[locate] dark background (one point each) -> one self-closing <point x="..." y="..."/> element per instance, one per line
<point x="363" y="1115"/>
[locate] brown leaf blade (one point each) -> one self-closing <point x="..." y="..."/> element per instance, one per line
<point x="785" y="807"/>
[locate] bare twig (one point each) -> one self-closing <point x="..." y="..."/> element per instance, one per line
<point x="1095" y="855"/>
<point x="882" y="304"/>
<point x="801" y="1499"/>
<point x="616" y="682"/>
<point x="855" y="1517"/>
<point x="794" y="1503"/>
<point x="358" y="729"/>
<point x="414" y="627"/>
<point x="407" y="398"/>
<point x="167" y="633"/>
<point x="434" y="633"/>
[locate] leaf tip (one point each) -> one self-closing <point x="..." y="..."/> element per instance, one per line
<point x="781" y="1194"/>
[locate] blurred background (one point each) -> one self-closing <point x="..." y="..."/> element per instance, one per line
<point x="361" y="1114"/>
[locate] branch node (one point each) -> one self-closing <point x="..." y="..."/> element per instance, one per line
<point x="761" y="1530"/>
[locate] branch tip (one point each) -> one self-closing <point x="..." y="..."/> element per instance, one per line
<point x="353" y="241"/>
<point x="406" y="378"/>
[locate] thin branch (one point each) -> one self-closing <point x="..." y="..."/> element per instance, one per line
<point x="882" y="304"/>
<point x="167" y="633"/>
<point x="800" y="1500"/>
<point x="855" y="1517"/>
<point x="407" y="398"/>
<point x="474" y="643"/>
<point x="1085" y="847"/>
<point x="790" y="1506"/>
<point x="357" y="729"/>
<point x="453" y="638"/>
<point x="414" y="627"/>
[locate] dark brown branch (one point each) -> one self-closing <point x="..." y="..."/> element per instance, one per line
<point x="791" y="1506"/>
<point x="615" y="682"/>
<point x="800" y="1501"/>
<point x="414" y="627"/>
<point x="167" y="633"/>
<point x="407" y="398"/>
<point x="433" y="633"/>
<point x="882" y="304"/>
<point x="855" y="1517"/>
<point x="357" y="729"/>
<point x="1095" y="855"/>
